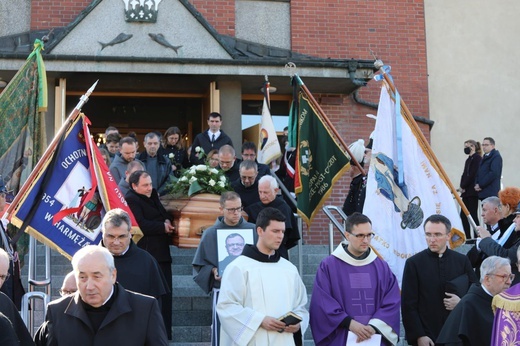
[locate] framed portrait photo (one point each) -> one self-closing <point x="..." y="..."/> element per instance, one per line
<point x="230" y="243"/>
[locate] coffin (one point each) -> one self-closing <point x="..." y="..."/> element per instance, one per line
<point x="191" y="216"/>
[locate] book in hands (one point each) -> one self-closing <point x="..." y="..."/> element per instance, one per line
<point x="290" y="318"/>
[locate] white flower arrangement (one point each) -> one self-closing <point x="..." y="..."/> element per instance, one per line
<point x="200" y="179"/>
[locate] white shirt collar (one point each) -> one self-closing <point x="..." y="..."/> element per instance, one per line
<point x="217" y="134"/>
<point x="110" y="296"/>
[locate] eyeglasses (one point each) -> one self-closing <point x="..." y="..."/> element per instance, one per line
<point x="114" y="238"/>
<point x="226" y="162"/>
<point x="64" y="293"/>
<point x="505" y="276"/>
<point x="434" y="235"/>
<point x="5" y="277"/>
<point x="234" y="210"/>
<point x="235" y="245"/>
<point x="363" y="236"/>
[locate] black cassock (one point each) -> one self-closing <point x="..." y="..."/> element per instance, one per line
<point x="471" y="322"/>
<point x="139" y="272"/>
<point x="292" y="235"/>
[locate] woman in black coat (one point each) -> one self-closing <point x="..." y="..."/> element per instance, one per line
<point x="175" y="150"/>
<point x="467" y="183"/>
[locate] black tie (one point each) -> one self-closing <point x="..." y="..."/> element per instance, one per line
<point x="212" y="139"/>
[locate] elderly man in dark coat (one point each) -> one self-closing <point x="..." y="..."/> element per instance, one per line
<point x="101" y="312"/>
<point x="155" y="223"/>
<point x="267" y="190"/>
<point x="471" y="322"/>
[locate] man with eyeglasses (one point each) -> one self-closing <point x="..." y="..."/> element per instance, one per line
<point x="206" y="263"/>
<point x="228" y="162"/>
<point x="354" y="291"/>
<point x="247" y="185"/>
<point x="234" y="245"/>
<point x="8" y="308"/>
<point x="434" y="280"/>
<point x="471" y="322"/>
<point x="507" y="314"/>
<point x="68" y="286"/>
<point x="137" y="270"/>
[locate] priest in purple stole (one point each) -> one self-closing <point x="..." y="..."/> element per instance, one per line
<point x="355" y="291"/>
<point x="506" y="305"/>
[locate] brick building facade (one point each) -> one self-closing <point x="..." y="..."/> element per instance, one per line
<point x="323" y="35"/>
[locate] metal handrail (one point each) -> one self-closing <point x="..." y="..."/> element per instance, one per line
<point x="299" y="220"/>
<point x="328" y="209"/>
<point x="33" y="283"/>
<point x="27" y="318"/>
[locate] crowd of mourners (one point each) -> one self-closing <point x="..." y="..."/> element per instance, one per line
<point x="120" y="292"/>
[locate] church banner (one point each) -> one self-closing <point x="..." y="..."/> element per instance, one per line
<point x="320" y="160"/>
<point x="269" y="146"/>
<point x="403" y="188"/>
<point x="65" y="202"/>
<point x="21" y="102"/>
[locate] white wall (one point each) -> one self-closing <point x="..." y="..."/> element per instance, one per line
<point x="474" y="84"/>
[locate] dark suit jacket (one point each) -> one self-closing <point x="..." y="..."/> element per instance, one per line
<point x="150" y="215"/>
<point x="8" y="308"/>
<point x="203" y="140"/>
<point x="488" y="175"/>
<point x="133" y="319"/>
<point x="471" y="322"/>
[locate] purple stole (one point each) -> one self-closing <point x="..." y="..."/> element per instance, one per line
<point x="506" y="326"/>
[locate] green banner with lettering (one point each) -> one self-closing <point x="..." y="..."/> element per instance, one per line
<point x="21" y="123"/>
<point x="321" y="161"/>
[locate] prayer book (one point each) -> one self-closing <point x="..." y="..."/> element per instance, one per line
<point x="290" y="318"/>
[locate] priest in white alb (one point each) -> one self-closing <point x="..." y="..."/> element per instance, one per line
<point x="259" y="287"/>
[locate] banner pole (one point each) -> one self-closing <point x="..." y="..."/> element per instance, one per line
<point x="50" y="150"/>
<point x="324" y="117"/>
